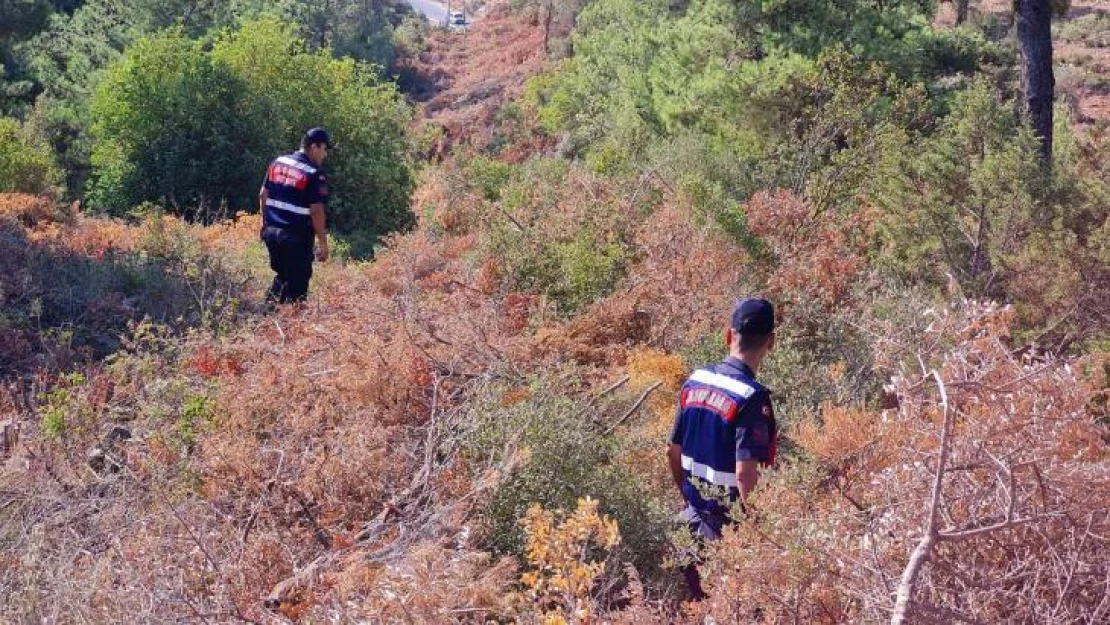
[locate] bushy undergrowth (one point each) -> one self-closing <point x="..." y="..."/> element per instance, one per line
<point x="71" y="284"/>
<point x="26" y="166"/>
<point x="562" y="454"/>
<point x="471" y="428"/>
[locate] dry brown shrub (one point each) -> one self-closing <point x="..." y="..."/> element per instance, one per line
<point x="817" y="256"/>
<point x="678" y="290"/>
<point x="29" y="210"/>
<point x="431" y="583"/>
<point x="468" y="79"/>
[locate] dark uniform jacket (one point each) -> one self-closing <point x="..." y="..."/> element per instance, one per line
<point x="293" y="183"/>
<point x="724" y="417"/>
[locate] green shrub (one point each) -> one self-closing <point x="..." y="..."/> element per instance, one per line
<point x="193" y="128"/>
<point x="173" y="127"/>
<point x="25" y="165"/>
<point x="1092" y="29"/>
<point x="488" y="176"/>
<point x="196" y="411"/>
<point x="573" y="272"/>
<point x="370" y="175"/>
<point x="962" y="196"/>
<point x="585" y="268"/>
<point x="559" y="455"/>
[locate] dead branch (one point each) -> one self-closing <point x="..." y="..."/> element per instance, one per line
<point x="634" y="408"/>
<point x="609" y="389"/>
<point x="921" y="553"/>
<point x="300" y="579"/>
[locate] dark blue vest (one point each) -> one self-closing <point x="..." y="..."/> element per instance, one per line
<point x="293" y="183"/>
<point x="712" y="401"/>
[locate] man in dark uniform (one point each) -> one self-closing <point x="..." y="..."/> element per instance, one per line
<point x="724" y="429"/>
<point x="292" y="200"/>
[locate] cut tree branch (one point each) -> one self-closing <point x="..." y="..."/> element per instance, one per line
<point x="921" y="553"/>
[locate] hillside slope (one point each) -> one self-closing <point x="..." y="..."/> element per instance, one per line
<point x="375" y="454"/>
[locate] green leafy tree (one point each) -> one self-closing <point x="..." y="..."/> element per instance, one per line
<point x="295" y="89"/>
<point x="25" y="165"/>
<point x="194" y="128"/>
<point x="19" y="19"/>
<point x="960" y="200"/>
<point x="173" y="126"/>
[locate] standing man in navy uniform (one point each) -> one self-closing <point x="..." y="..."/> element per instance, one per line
<point x="293" y="199"/>
<point x="725" y="428"/>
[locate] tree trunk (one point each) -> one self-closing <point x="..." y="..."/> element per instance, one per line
<point x="961" y="11"/>
<point x="1034" y="31"/>
<point x="547" y="15"/>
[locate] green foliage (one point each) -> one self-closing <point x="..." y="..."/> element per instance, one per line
<point x="1092" y="29"/>
<point x="584" y="269"/>
<point x="196" y="412"/>
<point x="488" y="176"/>
<point x="643" y="69"/>
<point x="371" y="177"/>
<point x="574" y="272"/>
<point x="559" y="456"/>
<point x="351" y="28"/>
<point x="19" y="19"/>
<point x="193" y="128"/>
<point x="26" y="166"/>
<point x="58" y="406"/>
<point x="175" y="127"/>
<point x="962" y="197"/>
<point x="540" y="241"/>
<point x="65" y="57"/>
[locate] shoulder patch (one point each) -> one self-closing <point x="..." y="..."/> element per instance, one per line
<point x="710" y="399"/>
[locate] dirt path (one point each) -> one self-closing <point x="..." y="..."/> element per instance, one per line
<point x="463" y="80"/>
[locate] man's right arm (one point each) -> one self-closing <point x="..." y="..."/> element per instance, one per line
<point x="747" y="476"/>
<point x="319" y="219"/>
<point x="753" y="442"/>
<point x="318" y="194"/>
<point x="263" y="195"/>
<point x="674" y="451"/>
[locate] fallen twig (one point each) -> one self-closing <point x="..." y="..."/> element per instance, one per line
<point x="634" y="408"/>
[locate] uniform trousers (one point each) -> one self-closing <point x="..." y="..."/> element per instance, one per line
<point x="291" y="259"/>
<point x="704" y="526"/>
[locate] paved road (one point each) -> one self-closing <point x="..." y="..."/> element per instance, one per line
<point x="436" y="12"/>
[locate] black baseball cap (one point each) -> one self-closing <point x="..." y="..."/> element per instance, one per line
<point x="752" y="315"/>
<point x="317" y="135"/>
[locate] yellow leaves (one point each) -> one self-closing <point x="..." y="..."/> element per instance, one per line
<point x="560" y="578"/>
<point x="647" y="366"/>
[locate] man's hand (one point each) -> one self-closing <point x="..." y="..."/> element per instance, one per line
<point x="322" y="249"/>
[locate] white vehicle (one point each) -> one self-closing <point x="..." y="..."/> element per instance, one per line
<point x="457" y="18"/>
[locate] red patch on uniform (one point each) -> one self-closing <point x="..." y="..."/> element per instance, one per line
<point x="710" y="399"/>
<point x="288" y="176"/>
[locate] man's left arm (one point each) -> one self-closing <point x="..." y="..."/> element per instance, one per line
<point x="674" y="451"/>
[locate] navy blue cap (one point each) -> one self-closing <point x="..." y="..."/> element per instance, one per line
<point x="752" y="315"/>
<point x="317" y="135"/>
